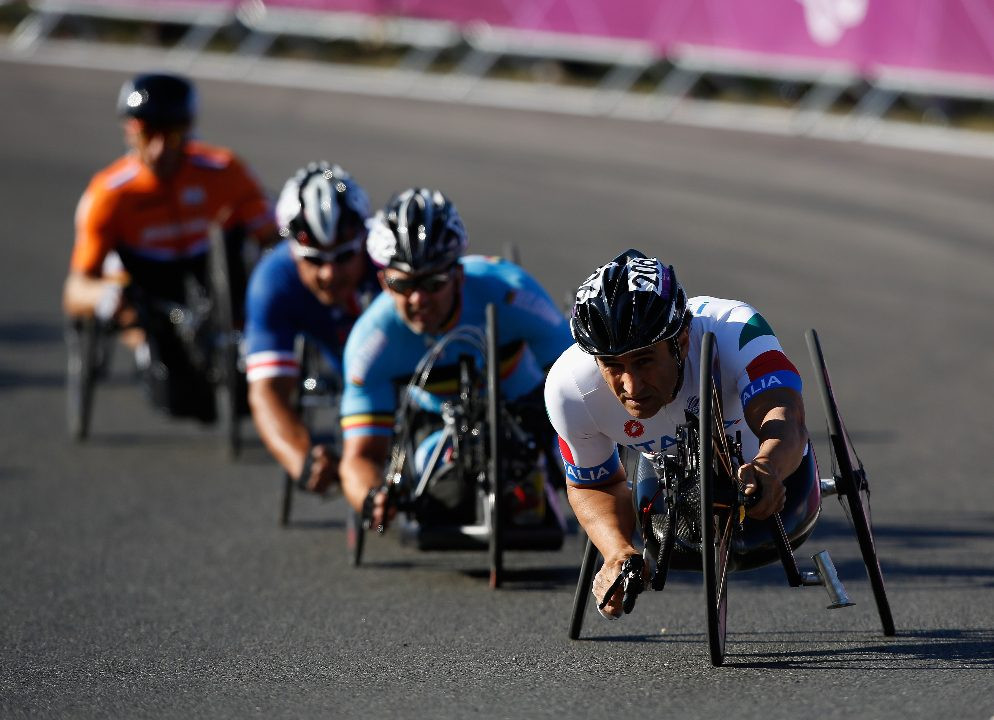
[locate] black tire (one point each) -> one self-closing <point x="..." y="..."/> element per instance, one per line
<point x="851" y="482"/>
<point x="716" y="526"/>
<point x="307" y="356"/>
<point x="495" y="465"/>
<point x="355" y="537"/>
<point x="286" y="503"/>
<point x="226" y="347"/>
<point x="587" y="568"/>
<point x="82" y="346"/>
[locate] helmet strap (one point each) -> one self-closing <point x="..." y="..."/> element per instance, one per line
<point x="675" y="350"/>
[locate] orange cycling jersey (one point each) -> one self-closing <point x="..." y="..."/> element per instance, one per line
<point x="126" y="206"/>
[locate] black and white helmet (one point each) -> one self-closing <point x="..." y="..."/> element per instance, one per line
<point x="322" y="207"/>
<point x="418" y="231"/>
<point x="630" y="303"/>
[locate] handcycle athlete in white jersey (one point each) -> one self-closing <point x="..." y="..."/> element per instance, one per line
<point x="625" y="382"/>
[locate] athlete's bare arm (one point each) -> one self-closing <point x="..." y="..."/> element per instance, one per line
<point x="285" y="435"/>
<point x="605" y="512"/>
<point x="776" y="417"/>
<point x="364" y="460"/>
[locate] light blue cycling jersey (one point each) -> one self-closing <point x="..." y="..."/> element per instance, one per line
<point x="382" y="351"/>
<point x="278" y="308"/>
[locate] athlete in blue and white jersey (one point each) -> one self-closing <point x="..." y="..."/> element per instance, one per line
<point x="418" y="240"/>
<point x="629" y="380"/>
<point x="280" y="308"/>
<point x="315" y="283"/>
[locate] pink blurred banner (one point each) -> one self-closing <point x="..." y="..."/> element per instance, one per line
<point x="946" y="35"/>
<point x="955" y="36"/>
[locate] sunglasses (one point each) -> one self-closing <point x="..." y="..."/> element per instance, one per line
<point x="337" y="256"/>
<point x="426" y="283"/>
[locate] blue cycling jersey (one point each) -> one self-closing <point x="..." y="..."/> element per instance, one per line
<point x="382" y="351"/>
<point x="278" y="308"/>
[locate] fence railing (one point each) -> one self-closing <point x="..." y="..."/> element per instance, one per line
<point x="872" y="52"/>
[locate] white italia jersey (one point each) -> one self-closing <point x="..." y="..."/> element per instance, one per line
<point x="592" y="422"/>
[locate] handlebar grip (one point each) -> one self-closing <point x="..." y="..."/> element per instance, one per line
<point x="630" y="581"/>
<point x="749" y="501"/>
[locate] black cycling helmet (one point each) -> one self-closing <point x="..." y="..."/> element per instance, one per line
<point x="322" y="207"/>
<point x="418" y="231"/>
<point x="158" y="99"/>
<point x="630" y="303"/>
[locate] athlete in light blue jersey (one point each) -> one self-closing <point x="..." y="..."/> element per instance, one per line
<point x="419" y="240"/>
<point x="383" y="350"/>
<point x="315" y="283"/>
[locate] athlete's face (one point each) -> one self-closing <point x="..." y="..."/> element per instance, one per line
<point x="425" y="301"/>
<point x="159" y="149"/>
<point x="644" y="380"/>
<point x="332" y="276"/>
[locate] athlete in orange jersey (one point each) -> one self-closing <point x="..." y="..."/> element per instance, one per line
<point x="153" y="208"/>
<point x="127" y="206"/>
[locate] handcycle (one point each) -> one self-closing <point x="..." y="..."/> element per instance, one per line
<point x="690" y="513"/>
<point x="483" y="461"/>
<point x="198" y="318"/>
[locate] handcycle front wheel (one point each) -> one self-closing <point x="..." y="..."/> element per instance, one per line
<point x="355" y="536"/>
<point x="82" y="348"/>
<point x="495" y="464"/>
<point x="587" y="568"/>
<point x="717" y="519"/>
<point x="226" y="349"/>
<point x="306" y="354"/>
<point x="851" y="482"/>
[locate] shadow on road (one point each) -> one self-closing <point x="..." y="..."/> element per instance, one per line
<point x="942" y="648"/>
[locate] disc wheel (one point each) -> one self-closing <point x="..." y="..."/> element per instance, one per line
<point x="716" y="513"/>
<point x="851" y="482"/>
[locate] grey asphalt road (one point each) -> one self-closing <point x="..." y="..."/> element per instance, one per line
<point x="144" y="575"/>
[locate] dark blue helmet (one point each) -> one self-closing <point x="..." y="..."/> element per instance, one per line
<point x="630" y="303"/>
<point x="418" y="231"/>
<point x="158" y="99"/>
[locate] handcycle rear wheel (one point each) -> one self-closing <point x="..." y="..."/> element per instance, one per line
<point x="851" y="482"/>
<point x="716" y="519"/>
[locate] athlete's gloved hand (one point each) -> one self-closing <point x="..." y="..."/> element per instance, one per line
<point x="618" y="583"/>
<point x="378" y="510"/>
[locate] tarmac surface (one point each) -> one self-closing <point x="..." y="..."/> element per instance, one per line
<point x="145" y="575"/>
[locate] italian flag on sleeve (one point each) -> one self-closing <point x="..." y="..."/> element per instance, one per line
<point x="768" y="370"/>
